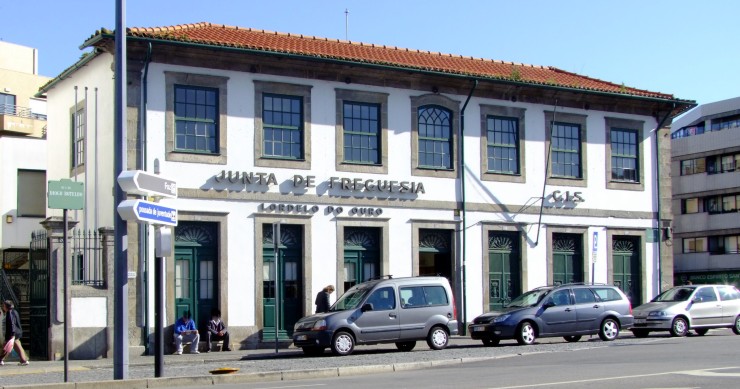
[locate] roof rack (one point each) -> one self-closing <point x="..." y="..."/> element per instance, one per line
<point x="383" y="277"/>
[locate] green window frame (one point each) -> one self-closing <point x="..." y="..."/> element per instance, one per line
<point x="566" y="150"/>
<point x="435" y="137"/>
<point x="361" y="122"/>
<point x="624" y="152"/>
<point x="196" y="119"/>
<point x="503" y="144"/>
<point x="282" y="118"/>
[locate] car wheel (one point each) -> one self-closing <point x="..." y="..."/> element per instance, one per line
<point x="343" y="343"/>
<point x="736" y="327"/>
<point x="701" y="331"/>
<point x="526" y="334"/>
<point x="437" y="338"/>
<point x="405" y="346"/>
<point x="313" y="351"/>
<point x="609" y="330"/>
<point x="572" y="338"/>
<point x="491" y="342"/>
<point x="640" y="333"/>
<point x="679" y="327"/>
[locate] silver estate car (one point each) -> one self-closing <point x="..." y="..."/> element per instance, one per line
<point x="689" y="307"/>
<point x="391" y="310"/>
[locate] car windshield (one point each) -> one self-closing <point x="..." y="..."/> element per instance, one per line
<point x="529" y="299"/>
<point x="350" y="299"/>
<point x="676" y="294"/>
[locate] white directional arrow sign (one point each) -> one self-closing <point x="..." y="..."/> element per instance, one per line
<point x="147" y="212"/>
<point x="146" y="184"/>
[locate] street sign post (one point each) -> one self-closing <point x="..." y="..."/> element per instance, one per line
<point x="66" y="194"/>
<point x="594" y="251"/>
<point x="146" y="184"/>
<point x="147" y="212"/>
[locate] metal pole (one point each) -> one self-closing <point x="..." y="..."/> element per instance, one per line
<point x="276" y="245"/>
<point x="120" y="291"/>
<point x="158" y="316"/>
<point x="66" y="297"/>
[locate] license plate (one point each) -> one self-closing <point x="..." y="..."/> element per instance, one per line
<point x="639" y="321"/>
<point x="301" y="337"/>
<point x="478" y="328"/>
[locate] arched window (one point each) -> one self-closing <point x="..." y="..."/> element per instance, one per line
<point x="435" y="137"/>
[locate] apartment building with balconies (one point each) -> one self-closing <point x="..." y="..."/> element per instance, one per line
<point x="706" y="193"/>
<point x="23" y="151"/>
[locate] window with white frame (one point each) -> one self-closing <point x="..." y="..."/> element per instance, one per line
<point x="78" y="137"/>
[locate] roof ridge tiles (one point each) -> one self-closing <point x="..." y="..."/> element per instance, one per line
<point x="309" y="45"/>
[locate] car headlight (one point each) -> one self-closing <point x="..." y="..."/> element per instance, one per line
<point x="319" y="325"/>
<point x="658" y="313"/>
<point x="501" y="318"/>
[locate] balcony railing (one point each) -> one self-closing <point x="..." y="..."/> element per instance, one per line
<point x="23" y="112"/>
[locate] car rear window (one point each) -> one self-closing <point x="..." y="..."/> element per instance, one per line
<point x="418" y="296"/>
<point x="607" y="294"/>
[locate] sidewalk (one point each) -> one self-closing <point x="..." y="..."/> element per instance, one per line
<point x="286" y="371"/>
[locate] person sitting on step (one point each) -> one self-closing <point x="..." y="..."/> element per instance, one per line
<point x="217" y="331"/>
<point x="185" y="332"/>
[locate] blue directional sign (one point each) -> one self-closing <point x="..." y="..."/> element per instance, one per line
<point x="142" y="211"/>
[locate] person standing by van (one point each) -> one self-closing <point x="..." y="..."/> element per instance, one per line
<point x="13" y="333"/>
<point x="322" y="299"/>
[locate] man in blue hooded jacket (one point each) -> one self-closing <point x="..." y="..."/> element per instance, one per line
<point x="185" y="332"/>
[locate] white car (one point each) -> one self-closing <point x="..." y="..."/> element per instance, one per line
<point x="689" y="307"/>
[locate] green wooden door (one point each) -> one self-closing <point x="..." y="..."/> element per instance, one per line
<point x="626" y="260"/>
<point x="361" y="255"/>
<point x="567" y="259"/>
<point x="196" y="269"/>
<point x="289" y="282"/>
<point x="504" y="269"/>
<point x="184" y="282"/>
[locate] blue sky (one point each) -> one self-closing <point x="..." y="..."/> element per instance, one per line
<point x="685" y="48"/>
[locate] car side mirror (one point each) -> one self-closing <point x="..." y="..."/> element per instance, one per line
<point x="697" y="300"/>
<point x="367" y="307"/>
<point x="548" y="304"/>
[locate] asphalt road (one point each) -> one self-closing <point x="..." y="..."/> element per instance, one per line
<point x="551" y="362"/>
<point x="660" y="361"/>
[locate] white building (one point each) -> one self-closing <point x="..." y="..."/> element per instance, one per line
<point x="374" y="160"/>
<point x="706" y="193"/>
<point x="23" y="168"/>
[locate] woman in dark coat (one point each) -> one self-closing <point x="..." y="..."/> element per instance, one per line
<point x="322" y="299"/>
<point x="13" y="330"/>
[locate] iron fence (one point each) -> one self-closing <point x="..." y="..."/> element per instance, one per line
<point x="87" y="258"/>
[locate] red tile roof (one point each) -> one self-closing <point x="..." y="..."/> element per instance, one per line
<point x="310" y="46"/>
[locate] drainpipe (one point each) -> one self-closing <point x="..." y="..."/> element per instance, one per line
<point x="463" y="310"/>
<point x="144" y="228"/>
<point x="657" y="185"/>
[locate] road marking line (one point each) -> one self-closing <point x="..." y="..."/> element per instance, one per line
<point x="291" y="386"/>
<point x="608" y="378"/>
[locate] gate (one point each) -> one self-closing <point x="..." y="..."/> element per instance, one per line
<point x="38" y="295"/>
